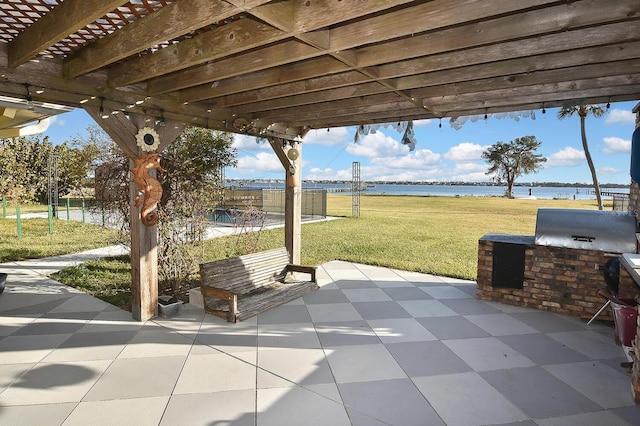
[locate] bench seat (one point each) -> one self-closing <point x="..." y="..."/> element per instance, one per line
<point x="242" y="287"/>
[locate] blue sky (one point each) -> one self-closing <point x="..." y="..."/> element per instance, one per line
<point x="441" y="153"/>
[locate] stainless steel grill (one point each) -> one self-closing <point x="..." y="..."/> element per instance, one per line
<point x="608" y="231"/>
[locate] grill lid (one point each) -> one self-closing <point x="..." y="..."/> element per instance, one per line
<point x="610" y="231"/>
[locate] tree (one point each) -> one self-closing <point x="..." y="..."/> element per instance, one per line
<point x="510" y="160"/>
<point x="24" y="168"/>
<point x="583" y="111"/>
<point x="93" y="148"/>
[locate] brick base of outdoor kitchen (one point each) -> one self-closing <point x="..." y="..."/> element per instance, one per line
<point x="558" y="279"/>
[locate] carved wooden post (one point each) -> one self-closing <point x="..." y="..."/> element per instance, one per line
<point x="144" y="238"/>
<point x="290" y="155"/>
<point x="144" y="262"/>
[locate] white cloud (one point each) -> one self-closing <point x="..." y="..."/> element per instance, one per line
<point x="416" y="160"/>
<point x="382" y="173"/>
<point x="422" y="123"/>
<point x="248" y="143"/>
<point x="328" y="174"/>
<point x="620" y="116"/>
<point x="55" y="120"/>
<point x="608" y="171"/>
<point x="470" y="177"/>
<point x="470" y="168"/>
<point x="566" y="157"/>
<point x="614" y="145"/>
<point x="464" y="152"/>
<point x="262" y="162"/>
<point x="377" y="145"/>
<point x="335" y="136"/>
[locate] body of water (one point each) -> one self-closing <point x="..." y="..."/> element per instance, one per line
<point x="545" y="192"/>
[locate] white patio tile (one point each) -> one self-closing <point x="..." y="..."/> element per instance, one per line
<point x="601" y="383"/>
<point x="501" y="324"/>
<point x="286" y="336"/>
<point x="426" y="308"/>
<point x="235" y="408"/>
<point x="215" y="373"/>
<point x="594" y="345"/>
<point x="298" y="406"/>
<point x="400" y="330"/>
<point x="137" y="378"/>
<point x="54" y="383"/>
<point x="487" y="353"/>
<point x="157" y="341"/>
<point x="363" y="363"/>
<point x="467" y="399"/>
<point x="445" y="292"/>
<point x="28" y="349"/>
<point x="597" y="418"/>
<point x="138" y="411"/>
<point x="333" y="312"/>
<point x="366" y="295"/>
<point x="301" y="366"/>
<point x="36" y="415"/>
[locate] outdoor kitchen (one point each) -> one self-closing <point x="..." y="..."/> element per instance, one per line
<point x="559" y="269"/>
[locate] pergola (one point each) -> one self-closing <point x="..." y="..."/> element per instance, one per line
<point x="276" y="69"/>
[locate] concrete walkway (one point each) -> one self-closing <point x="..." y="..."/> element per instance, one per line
<point x="373" y="346"/>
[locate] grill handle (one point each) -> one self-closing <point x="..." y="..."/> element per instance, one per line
<point x="583" y="238"/>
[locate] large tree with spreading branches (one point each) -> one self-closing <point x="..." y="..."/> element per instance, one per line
<point x="508" y="161"/>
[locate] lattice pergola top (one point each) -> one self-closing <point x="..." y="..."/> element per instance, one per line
<point x="282" y="67"/>
<point x="16" y="15"/>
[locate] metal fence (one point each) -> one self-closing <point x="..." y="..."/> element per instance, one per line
<point x="271" y="202"/>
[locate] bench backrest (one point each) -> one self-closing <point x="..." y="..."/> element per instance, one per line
<point x="246" y="273"/>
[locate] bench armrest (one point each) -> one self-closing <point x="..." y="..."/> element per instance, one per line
<point x="304" y="269"/>
<point x="217" y="293"/>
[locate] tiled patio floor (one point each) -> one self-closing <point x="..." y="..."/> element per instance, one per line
<point x="373" y="346"/>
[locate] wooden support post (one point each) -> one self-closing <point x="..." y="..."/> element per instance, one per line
<point x="144" y="239"/>
<point x="293" y="209"/>
<point x="144" y="262"/>
<point x="290" y="155"/>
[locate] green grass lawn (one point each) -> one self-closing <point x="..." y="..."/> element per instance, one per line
<point x="37" y="242"/>
<point x="436" y="235"/>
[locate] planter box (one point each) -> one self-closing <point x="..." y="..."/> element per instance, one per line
<point x="168" y="308"/>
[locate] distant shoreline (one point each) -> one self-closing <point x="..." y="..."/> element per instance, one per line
<point x="438" y="183"/>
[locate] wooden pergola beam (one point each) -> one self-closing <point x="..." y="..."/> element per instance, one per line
<point x="256" y="60"/>
<point x="236" y="36"/>
<point x="348" y="37"/>
<point x="523" y="53"/>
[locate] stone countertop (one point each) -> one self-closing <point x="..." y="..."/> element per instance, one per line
<point x="508" y="238"/>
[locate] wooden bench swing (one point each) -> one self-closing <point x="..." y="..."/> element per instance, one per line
<point x="242" y="287"/>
